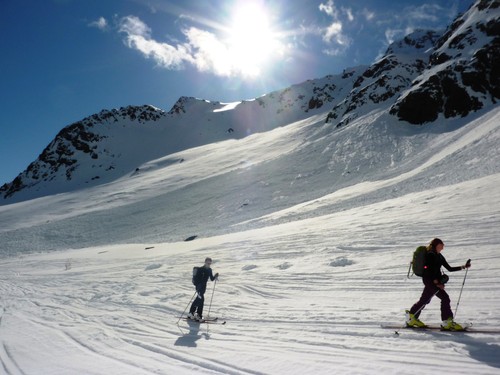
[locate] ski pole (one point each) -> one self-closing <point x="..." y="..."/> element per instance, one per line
<point x="460" y="296"/>
<point x="186" y="308"/>
<point x="211" y="298"/>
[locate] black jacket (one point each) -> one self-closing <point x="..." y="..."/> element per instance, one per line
<point x="432" y="269"/>
<point x="204" y="273"/>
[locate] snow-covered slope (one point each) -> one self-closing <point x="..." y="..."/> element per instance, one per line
<point x="311" y="227"/>
<point x="303" y="290"/>
<point x="115" y="143"/>
<point x="228" y="186"/>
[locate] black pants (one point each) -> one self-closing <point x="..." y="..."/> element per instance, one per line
<point x="429" y="291"/>
<point x="198" y="302"/>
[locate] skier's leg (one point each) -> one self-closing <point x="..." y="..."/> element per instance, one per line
<point x="425" y="298"/>
<point x="198" y="299"/>
<point x="194" y="305"/>
<point x="445" y="305"/>
<point x="200" y="305"/>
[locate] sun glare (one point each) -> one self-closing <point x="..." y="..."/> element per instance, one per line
<point x="252" y="42"/>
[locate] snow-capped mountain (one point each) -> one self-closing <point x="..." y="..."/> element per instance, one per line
<point x="422" y="78"/>
<point x="383" y="81"/>
<point x="428" y="74"/>
<point x="463" y="71"/>
<point x="115" y="143"/>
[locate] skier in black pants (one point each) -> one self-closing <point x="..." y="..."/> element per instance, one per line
<point x="434" y="282"/>
<point x="200" y="280"/>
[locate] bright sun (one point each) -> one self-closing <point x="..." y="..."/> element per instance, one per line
<point x="252" y="41"/>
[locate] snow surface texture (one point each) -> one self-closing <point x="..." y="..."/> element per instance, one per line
<point x="311" y="227"/>
<point x="304" y="290"/>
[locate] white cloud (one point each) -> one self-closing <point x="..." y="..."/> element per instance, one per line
<point x="332" y="31"/>
<point x="392" y="35"/>
<point x="333" y="51"/>
<point x="368" y="14"/>
<point x="202" y="49"/>
<point x="421" y="17"/>
<point x="349" y="14"/>
<point x="328" y="8"/>
<point x="333" y="34"/>
<point x="132" y="25"/>
<point x="138" y="36"/>
<point x="425" y="12"/>
<point x="101" y="24"/>
<point x="209" y="53"/>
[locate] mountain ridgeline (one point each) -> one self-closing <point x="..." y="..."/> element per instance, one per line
<point x="425" y="77"/>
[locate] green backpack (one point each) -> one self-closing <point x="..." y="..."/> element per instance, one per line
<point x="418" y="262"/>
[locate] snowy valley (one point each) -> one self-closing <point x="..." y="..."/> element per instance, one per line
<point x="310" y="200"/>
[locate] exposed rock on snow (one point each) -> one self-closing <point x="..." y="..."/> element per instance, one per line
<point x="463" y="73"/>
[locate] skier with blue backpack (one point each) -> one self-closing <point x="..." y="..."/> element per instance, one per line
<point x="431" y="261"/>
<point x="200" y="279"/>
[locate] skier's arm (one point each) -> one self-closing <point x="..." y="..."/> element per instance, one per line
<point x="450" y="268"/>
<point x="212" y="276"/>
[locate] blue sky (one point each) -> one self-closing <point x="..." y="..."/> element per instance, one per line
<point x="63" y="60"/>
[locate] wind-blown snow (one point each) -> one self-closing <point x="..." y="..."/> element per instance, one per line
<point x="311" y="260"/>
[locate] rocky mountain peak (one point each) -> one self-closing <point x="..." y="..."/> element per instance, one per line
<point x="385" y="79"/>
<point x="182" y="105"/>
<point x="417" y="42"/>
<point x="462" y="74"/>
<point x="429" y="74"/>
<point x="76" y="142"/>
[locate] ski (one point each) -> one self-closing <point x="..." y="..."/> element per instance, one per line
<point x="467" y="329"/>
<point x="205" y="321"/>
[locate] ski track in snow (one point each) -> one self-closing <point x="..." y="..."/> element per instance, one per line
<point x="112" y="313"/>
<point x="303" y="292"/>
